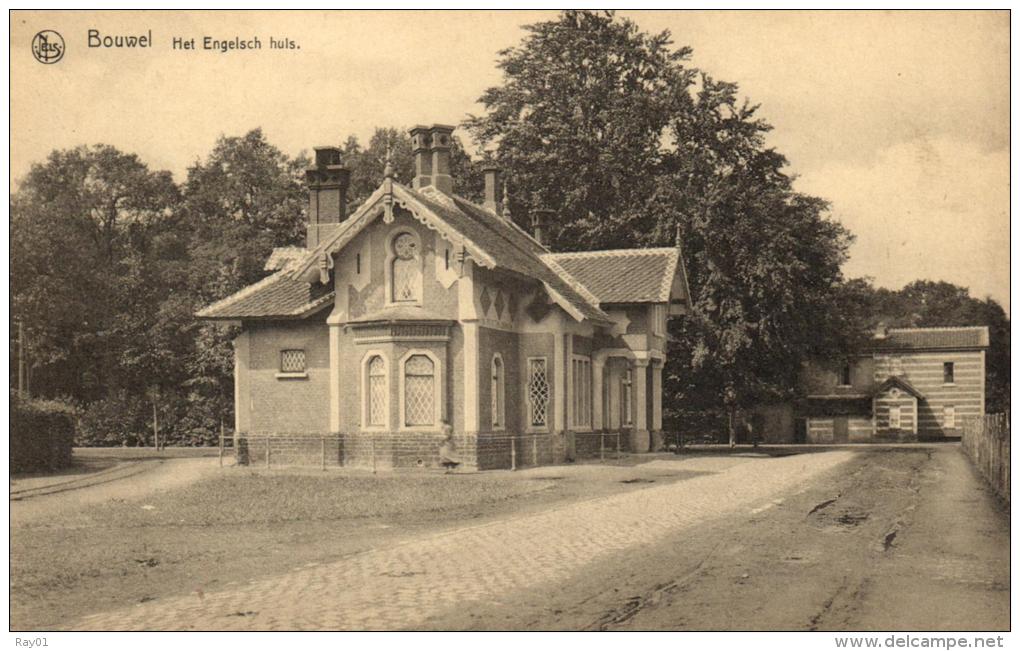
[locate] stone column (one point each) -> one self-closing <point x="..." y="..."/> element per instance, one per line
<point x="657" y="442"/>
<point x="639" y="436"/>
<point x="334" y="372"/>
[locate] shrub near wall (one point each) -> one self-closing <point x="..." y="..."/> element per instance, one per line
<point x="42" y="434"/>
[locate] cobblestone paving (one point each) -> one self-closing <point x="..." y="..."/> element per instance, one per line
<point x="398" y="587"/>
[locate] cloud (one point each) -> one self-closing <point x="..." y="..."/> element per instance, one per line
<point x="933" y="209"/>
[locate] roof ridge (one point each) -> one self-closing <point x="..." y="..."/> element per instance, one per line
<point x="509" y="222"/>
<point x="243" y="292"/>
<point x="615" y="252"/>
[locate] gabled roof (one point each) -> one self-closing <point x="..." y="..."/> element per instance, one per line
<point x="490" y="240"/>
<point x="274" y="297"/>
<point x="625" y="275"/>
<point x="932" y="339"/>
<point x="897" y="381"/>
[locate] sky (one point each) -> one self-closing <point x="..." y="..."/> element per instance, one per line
<point x="899" y="119"/>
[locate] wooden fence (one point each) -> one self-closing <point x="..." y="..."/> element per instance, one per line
<point x="986" y="441"/>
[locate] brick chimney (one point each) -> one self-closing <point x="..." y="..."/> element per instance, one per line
<point x="492" y="173"/>
<point x="540" y="217"/>
<point x="327" y="194"/>
<point x="431" y="147"/>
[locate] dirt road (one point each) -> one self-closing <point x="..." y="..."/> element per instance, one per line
<point x="896" y="539"/>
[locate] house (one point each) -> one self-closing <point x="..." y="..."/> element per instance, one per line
<point x="422" y="316"/>
<point x="910" y="384"/>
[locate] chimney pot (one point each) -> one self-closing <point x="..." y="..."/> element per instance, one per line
<point x="421" y="146"/>
<point x="327" y="193"/>
<point x="540" y="218"/>
<point x="442" y="142"/>
<point x="491" y="172"/>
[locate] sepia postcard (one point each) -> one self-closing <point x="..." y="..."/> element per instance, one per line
<point x="687" y="321"/>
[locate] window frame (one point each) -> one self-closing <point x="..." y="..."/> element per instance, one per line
<point x="845" y="373"/>
<point x="497" y="393"/>
<point x="549" y="402"/>
<point x="438" y="381"/>
<point x="951" y="368"/>
<point x="899" y="417"/>
<point x="366" y="397"/>
<point x="391" y="258"/>
<point x="580" y="393"/>
<point x="659" y="316"/>
<point x="302" y="373"/>
<point x="949" y="416"/>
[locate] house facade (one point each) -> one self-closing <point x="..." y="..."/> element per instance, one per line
<point x="911" y="384"/>
<point x="422" y="317"/>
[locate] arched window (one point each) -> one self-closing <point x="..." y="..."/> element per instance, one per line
<point x="498" y="393"/>
<point x="377" y="392"/>
<point x="419" y="391"/>
<point x="406" y="269"/>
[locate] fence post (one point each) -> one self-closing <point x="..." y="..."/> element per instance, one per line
<point x="373" y="453"/>
<point x="513" y="453"/>
<point x="221" y="443"/>
<point x="534" y="449"/>
<point x="268" y="451"/>
<point x="617" y="445"/>
<point x="602" y="447"/>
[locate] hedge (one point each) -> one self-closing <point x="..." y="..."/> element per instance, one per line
<point x="42" y="434"/>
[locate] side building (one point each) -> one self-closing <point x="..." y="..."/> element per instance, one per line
<point x="911" y="384"/>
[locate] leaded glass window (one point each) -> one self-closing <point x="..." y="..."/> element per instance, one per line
<point x="292" y="361"/>
<point x="376" y="392"/>
<point x="538" y="392"/>
<point x="419" y="391"/>
<point x="406" y="269"/>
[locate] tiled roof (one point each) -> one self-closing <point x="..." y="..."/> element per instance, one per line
<point x="284" y="256"/>
<point x="932" y="338"/>
<point x="491" y="240"/>
<point x="273" y="297"/>
<point x="623" y="275"/>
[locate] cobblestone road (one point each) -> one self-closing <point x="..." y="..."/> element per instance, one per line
<point x="398" y="587"/>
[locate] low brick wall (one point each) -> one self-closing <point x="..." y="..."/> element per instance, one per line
<point x="416" y="449"/>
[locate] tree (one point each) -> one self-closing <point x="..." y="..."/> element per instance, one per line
<point x="367" y="164"/>
<point x="84" y="225"/>
<point x="611" y="127"/>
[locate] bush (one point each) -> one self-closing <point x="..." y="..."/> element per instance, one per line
<point x="119" y="419"/>
<point x="42" y="434"/>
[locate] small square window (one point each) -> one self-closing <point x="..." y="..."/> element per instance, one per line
<point x="292" y="361"/>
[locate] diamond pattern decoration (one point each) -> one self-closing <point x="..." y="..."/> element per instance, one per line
<point x="485" y="300"/>
<point x="419" y="391"/>
<point x="538" y="392"/>
<point x="292" y="361"/>
<point x="377" y="391"/>
<point x="499" y="304"/>
<point x="405" y="280"/>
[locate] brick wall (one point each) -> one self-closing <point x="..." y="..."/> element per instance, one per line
<point x="289" y="450"/>
<point x="275" y="404"/>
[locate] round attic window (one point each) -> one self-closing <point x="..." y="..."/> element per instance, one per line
<point x="405" y="246"/>
<point x="894" y="392"/>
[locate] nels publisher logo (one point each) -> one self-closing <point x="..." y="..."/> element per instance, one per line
<point x="48" y="46"/>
